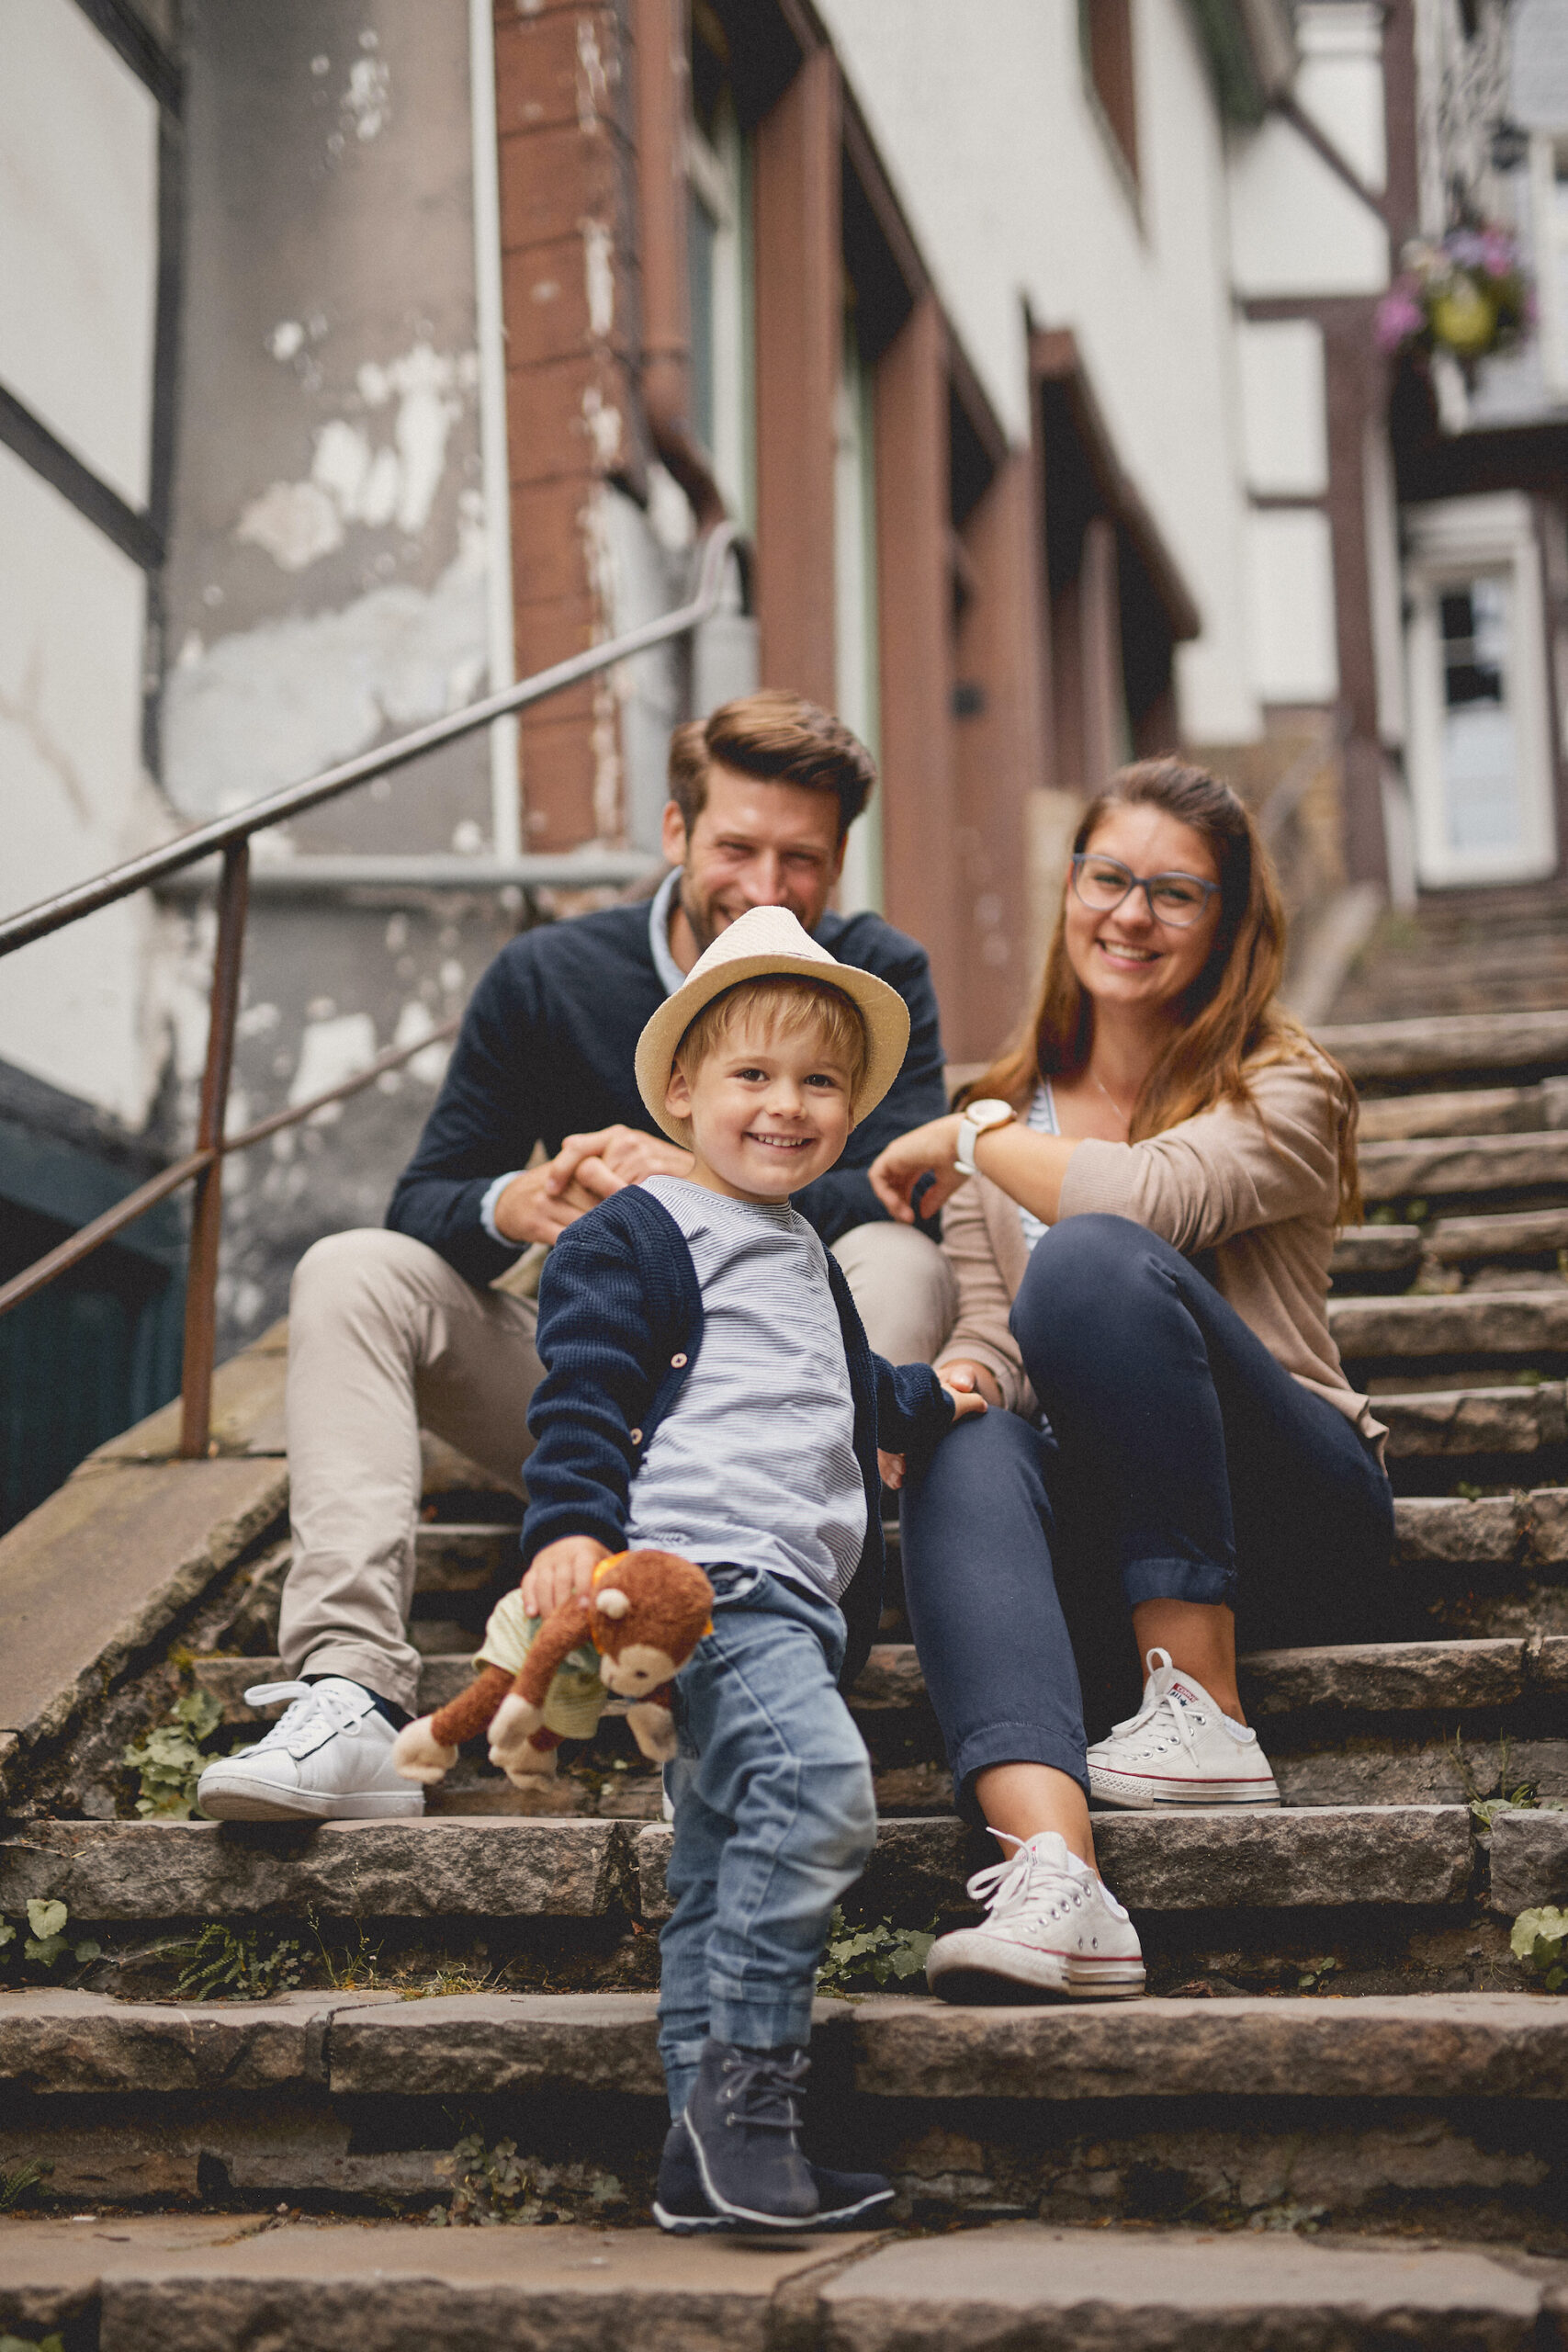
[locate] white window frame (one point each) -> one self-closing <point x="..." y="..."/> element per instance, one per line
<point x="1449" y="543"/>
<point x="716" y="173"/>
<point x="1548" y="163"/>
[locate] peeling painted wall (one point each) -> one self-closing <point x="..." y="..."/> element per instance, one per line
<point x="327" y="584"/>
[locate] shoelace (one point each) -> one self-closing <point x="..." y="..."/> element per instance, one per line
<point x="311" y="1702"/>
<point x="1149" y="1717"/>
<point x="1024" y="1878"/>
<point x="765" y="2089"/>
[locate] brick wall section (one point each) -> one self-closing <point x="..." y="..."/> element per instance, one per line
<point x="563" y="79"/>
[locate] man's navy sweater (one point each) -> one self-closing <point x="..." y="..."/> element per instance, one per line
<point x="546" y="1050"/>
<point x="620" y="1330"/>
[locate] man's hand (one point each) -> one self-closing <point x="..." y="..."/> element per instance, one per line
<point x="612" y="1157"/>
<point x="530" y="1210"/>
<point x="962" y="1379"/>
<point x="561" y="1571"/>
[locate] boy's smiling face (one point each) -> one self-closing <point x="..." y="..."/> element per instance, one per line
<point x="769" y="1109"/>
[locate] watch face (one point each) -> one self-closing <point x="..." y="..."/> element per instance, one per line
<point x="988" y="1114"/>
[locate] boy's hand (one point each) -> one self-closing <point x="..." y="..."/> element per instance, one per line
<point x="962" y="1388"/>
<point x="561" y="1571"/>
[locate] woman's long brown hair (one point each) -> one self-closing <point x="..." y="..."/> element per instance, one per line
<point x="1229" y="1022"/>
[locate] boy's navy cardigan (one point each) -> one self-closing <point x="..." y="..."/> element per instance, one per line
<point x="620" y="1328"/>
<point x="546" y="1049"/>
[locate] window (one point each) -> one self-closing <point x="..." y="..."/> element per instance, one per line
<point x="719" y="258"/>
<point x="1549" y="222"/>
<point x="1105" y="44"/>
<point x="1479" y="754"/>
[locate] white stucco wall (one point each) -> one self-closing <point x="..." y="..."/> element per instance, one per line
<point x="981" y="119"/>
<point x="72" y="794"/>
<point x="78" y="238"/>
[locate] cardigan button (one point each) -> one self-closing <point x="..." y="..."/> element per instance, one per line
<point x="678" y="1362"/>
<point x="637" y="1436"/>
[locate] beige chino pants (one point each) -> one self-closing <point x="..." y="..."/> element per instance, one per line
<point x="384" y="1338"/>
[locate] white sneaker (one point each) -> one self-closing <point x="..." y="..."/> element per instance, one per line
<point x="1053" y="1929"/>
<point x="1178" y="1749"/>
<point x="329" y="1758"/>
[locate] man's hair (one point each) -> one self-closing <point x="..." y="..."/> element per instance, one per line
<point x="785" y="1006"/>
<point x="778" y="738"/>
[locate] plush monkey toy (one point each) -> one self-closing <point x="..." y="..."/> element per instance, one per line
<point x="629" y="1635"/>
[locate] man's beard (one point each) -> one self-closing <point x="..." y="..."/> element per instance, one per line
<point x="703" y="928"/>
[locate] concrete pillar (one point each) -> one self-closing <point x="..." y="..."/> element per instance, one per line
<point x="800" y="282"/>
<point x="915" y="600"/>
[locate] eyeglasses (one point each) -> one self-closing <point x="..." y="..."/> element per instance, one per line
<point x="1177" y="899"/>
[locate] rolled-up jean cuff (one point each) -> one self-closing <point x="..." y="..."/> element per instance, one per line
<point x="761" y="2020"/>
<point x="1199" y="1580"/>
<point x="1013" y="1743"/>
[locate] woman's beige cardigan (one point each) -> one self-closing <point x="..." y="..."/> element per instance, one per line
<point x="1247" y="1189"/>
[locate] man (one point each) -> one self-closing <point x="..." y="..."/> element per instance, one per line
<point x="396" y="1329"/>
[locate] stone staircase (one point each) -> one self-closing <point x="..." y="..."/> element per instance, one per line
<point x="1338" y="2039"/>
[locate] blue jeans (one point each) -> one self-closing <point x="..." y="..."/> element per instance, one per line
<point x="774" y="1820"/>
<point x="1179" y="1458"/>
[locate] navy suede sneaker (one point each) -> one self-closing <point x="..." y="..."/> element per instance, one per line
<point x="846" y="2199"/>
<point x="743" y="2123"/>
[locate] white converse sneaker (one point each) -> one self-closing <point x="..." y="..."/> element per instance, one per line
<point x="329" y="1758"/>
<point x="1178" y="1749"/>
<point x="1053" y="1929"/>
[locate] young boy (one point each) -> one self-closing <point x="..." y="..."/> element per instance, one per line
<point x="708" y="1389"/>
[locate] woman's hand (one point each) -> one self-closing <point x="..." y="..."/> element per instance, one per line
<point x="561" y="1571"/>
<point x="961" y="1395"/>
<point x="924" y="1151"/>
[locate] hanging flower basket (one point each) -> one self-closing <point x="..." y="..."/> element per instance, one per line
<point x="1468" y="297"/>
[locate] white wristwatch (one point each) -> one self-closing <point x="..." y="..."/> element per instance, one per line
<point x="978" y="1119"/>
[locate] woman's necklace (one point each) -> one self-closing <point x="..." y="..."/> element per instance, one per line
<point x="1125" y="1116"/>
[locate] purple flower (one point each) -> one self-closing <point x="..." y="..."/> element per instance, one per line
<point x="1498" y="255"/>
<point x="1399" y="316"/>
<point x="1465" y="247"/>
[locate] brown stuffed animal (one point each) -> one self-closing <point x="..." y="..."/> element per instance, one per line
<point x="643" y="1616"/>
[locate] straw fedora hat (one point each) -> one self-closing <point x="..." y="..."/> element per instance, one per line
<point x="766" y="942"/>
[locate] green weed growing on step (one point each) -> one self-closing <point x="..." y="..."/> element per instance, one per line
<point x="16" y="2186"/>
<point x="352" y="1971"/>
<point x="1539" y="1944"/>
<point x="863" y="1959"/>
<point x="1315" y="1974"/>
<point x="48" y="1941"/>
<point x="51" y="2343"/>
<point x="497" y="2186"/>
<point x="171" y="1759"/>
<point x="1486" y="1807"/>
<point x="220" y="1964"/>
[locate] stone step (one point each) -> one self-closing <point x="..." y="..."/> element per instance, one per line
<point x="464" y="1556"/>
<point x="1465" y="1325"/>
<point x="498" y="1868"/>
<point x="1451" y="1422"/>
<point x="1389" y="1052"/>
<point x="1525" y="1233"/>
<point x="1439" y="2110"/>
<point x="1448" y="1166"/>
<point x="1478" y="1111"/>
<point x="215" y="2287"/>
<point x="1490" y="1531"/>
<point x="1376" y="1253"/>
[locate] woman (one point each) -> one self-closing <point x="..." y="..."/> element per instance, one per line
<point x="1141" y="1257"/>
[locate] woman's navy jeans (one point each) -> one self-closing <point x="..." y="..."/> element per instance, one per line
<point x="1178" y="1457"/>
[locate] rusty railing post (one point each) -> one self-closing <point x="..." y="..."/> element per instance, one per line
<point x="207" y="1212"/>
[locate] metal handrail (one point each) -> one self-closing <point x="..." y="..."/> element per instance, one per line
<point x="231" y="836"/>
<point x="225" y="832"/>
